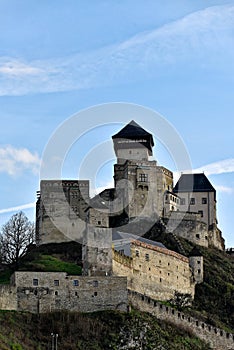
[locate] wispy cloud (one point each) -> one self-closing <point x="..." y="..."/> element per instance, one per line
<point x="19" y="207"/>
<point x="225" y="189"/>
<point x="203" y="37"/>
<point x="221" y="167"/>
<point x="14" y="160"/>
<point x="16" y="68"/>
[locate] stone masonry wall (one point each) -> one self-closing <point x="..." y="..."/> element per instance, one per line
<point x="39" y="292"/>
<point x="8" y="297"/>
<point x="155" y="272"/>
<point x="215" y="337"/>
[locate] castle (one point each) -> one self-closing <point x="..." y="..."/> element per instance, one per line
<point x="115" y="260"/>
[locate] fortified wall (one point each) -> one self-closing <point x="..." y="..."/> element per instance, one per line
<point x="154" y="271"/>
<point x="40" y="292"/>
<point x="215" y="337"/>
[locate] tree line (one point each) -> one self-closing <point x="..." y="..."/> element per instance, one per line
<point x="15" y="237"/>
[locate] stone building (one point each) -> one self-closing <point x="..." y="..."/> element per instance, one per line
<point x="60" y="210"/>
<point x="143" y="189"/>
<point x="154" y="270"/>
<point x="39" y="292"/>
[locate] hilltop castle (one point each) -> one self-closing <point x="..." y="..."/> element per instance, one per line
<point x="142" y="189"/>
<point x="110" y="226"/>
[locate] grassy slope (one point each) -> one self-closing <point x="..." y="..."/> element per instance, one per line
<point x="214" y="302"/>
<point x="214" y="298"/>
<point x="102" y="330"/>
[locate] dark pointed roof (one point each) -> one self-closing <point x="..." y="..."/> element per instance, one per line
<point x="133" y="131"/>
<point x="193" y="183"/>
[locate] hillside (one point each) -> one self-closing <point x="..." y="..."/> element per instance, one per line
<point x="214" y="298"/>
<point x="96" y="331"/>
<point x="214" y="303"/>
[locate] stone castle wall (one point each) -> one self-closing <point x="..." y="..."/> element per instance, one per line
<point x="216" y="338"/>
<point x="39" y="292"/>
<point x="156" y="272"/>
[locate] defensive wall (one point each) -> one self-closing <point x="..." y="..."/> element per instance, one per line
<point x="39" y="292"/>
<point x="155" y="271"/>
<point x="215" y="337"/>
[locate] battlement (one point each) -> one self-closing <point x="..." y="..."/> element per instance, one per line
<point x="217" y="338"/>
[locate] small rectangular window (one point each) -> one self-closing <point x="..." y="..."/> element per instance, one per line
<point x="204" y="200"/>
<point x="143" y="177"/>
<point x="147" y="257"/>
<point x="75" y="283"/>
<point x="95" y="283"/>
<point x="137" y="253"/>
<point x="192" y="201"/>
<point x="56" y="282"/>
<point x="182" y="201"/>
<point x="35" y="282"/>
<point x="200" y="212"/>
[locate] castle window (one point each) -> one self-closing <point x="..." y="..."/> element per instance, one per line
<point x="198" y="271"/>
<point x="143" y="177"/>
<point x="74" y="194"/>
<point x="99" y="222"/>
<point x="95" y="283"/>
<point x="56" y="293"/>
<point x="95" y="294"/>
<point x="192" y="201"/>
<point x="146" y="257"/>
<point x="160" y="280"/>
<point x="204" y="200"/>
<point x="56" y="282"/>
<point x="35" y="282"/>
<point x="75" y="283"/>
<point x="201" y="213"/>
<point x="197" y="236"/>
<point x="198" y="262"/>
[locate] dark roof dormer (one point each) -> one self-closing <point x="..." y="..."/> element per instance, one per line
<point x="133" y="136"/>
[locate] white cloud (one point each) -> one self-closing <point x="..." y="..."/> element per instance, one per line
<point x="221" y="167"/>
<point x="18" y="208"/>
<point x="204" y="37"/>
<point x="225" y="189"/>
<point x="14" y="160"/>
<point x="17" y="69"/>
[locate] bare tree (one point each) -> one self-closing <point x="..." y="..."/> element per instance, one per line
<point x="15" y="237"/>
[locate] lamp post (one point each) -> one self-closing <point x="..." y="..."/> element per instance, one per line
<point x="54" y="341"/>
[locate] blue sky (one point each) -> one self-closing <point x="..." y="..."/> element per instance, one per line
<point x="59" y="57"/>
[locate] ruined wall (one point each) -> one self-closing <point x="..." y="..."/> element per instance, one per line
<point x="156" y="272"/>
<point x="216" y="338"/>
<point x="60" y="212"/>
<point x="8" y="299"/>
<point x="39" y="292"/>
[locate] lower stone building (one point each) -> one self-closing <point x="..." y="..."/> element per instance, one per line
<point x="154" y="270"/>
<point x="40" y="292"/>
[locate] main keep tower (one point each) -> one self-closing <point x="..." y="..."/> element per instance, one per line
<point x="134" y="172"/>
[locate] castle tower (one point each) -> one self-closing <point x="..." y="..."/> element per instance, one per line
<point x="97" y="240"/>
<point x="135" y="173"/>
<point x="196" y="264"/>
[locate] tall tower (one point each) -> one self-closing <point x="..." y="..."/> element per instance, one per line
<point x="134" y="172"/>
